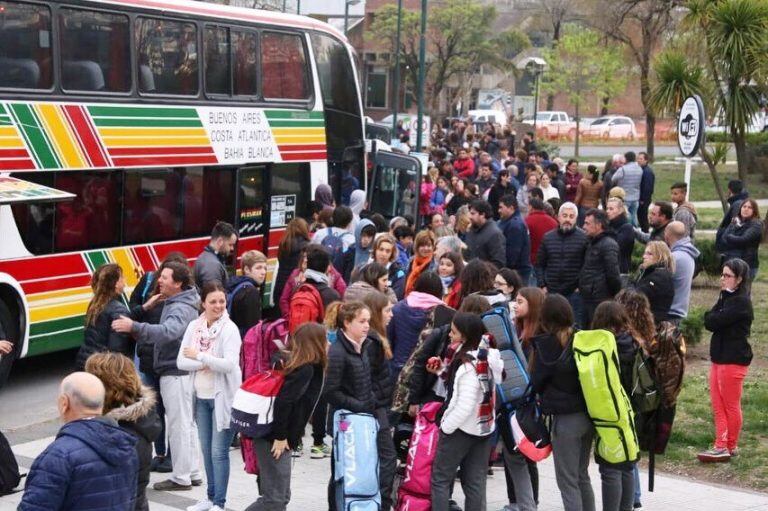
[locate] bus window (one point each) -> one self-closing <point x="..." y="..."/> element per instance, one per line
<point x="151" y="206"/>
<point x="25" y="46"/>
<point x="216" y="46"/>
<point x="337" y="75"/>
<point x="95" y="51"/>
<point x="35" y="221"/>
<point x="202" y="206"/>
<point x="92" y="219"/>
<point x="245" y="45"/>
<point x="283" y="67"/>
<point x="167" y="57"/>
<point x="394" y="188"/>
<point x="291" y="180"/>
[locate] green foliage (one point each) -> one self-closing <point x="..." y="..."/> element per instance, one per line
<point x="509" y="44"/>
<point x="751" y="138"/>
<point x="692" y="326"/>
<point x="709" y="259"/>
<point x="676" y="78"/>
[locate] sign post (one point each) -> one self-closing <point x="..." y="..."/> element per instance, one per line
<point x="690" y="133"/>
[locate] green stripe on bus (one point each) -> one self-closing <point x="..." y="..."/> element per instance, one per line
<point x="58" y="339"/>
<point x="96" y="259"/>
<point x="292" y="114"/>
<point x="296" y="124"/>
<point x="55" y="325"/>
<point x="130" y="111"/>
<point x="105" y="122"/>
<point x="35" y="136"/>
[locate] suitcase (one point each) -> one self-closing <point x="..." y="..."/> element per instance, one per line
<point x="355" y="461"/>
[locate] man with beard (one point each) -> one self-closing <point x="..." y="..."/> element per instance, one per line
<point x="659" y="217"/>
<point x="599" y="279"/>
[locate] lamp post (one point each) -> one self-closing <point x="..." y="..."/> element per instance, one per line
<point x="536" y="66"/>
<point x="347" y="3"/>
<point x="422" y="74"/>
<point x="396" y="78"/>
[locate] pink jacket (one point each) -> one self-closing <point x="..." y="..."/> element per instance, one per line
<point x="337" y="283"/>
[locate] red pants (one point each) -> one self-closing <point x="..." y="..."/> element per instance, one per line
<point x="725" y="385"/>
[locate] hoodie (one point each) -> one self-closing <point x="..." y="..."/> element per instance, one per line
<point x="685" y="255"/>
<point x="409" y="317"/>
<point x="91" y="465"/>
<point x="686" y="213"/>
<point x="357" y="204"/>
<point x="362" y="254"/>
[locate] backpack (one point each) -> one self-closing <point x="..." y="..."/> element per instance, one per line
<point x="608" y="405"/>
<point x="355" y="474"/>
<point x="9" y="469"/>
<point x="233" y="292"/>
<point x="645" y="395"/>
<point x="306" y="306"/>
<point x="415" y="489"/>
<point x="529" y="432"/>
<point x="260" y="344"/>
<point x="334" y="244"/>
<point x="668" y="354"/>
<point x="253" y="406"/>
<point x="515" y="387"/>
<point x="147" y="287"/>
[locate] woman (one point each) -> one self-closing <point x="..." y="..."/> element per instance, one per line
<point x="730" y="321"/>
<point x="460" y="197"/>
<point x="372" y="277"/>
<point x="656" y="280"/>
<point x="379" y="354"/>
<point x="556" y="380"/>
<point x="324" y="196"/>
<point x="549" y="191"/>
<point x="622" y="232"/>
<point x="509" y="283"/>
<point x="105" y="306"/>
<point x="428" y="187"/>
<point x="386" y="254"/>
<point x="572" y="180"/>
<point x="289" y="252"/>
<point x="528" y="306"/>
<point x="742" y="238"/>
<point x="132" y="405"/>
<point x="304" y="373"/>
<point x="422" y="260"/>
<point x="468" y="422"/>
<point x="437" y="201"/>
<point x="588" y="193"/>
<point x="210" y="351"/>
<point x="477" y="278"/>
<point x="449" y="269"/>
<point x="531" y="182"/>
<point x="462" y="224"/>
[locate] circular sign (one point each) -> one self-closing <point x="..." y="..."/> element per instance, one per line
<point x="690" y="126"/>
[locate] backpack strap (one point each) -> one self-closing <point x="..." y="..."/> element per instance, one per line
<point x="147" y="286"/>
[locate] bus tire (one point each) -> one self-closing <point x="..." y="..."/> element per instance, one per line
<point x="12" y="334"/>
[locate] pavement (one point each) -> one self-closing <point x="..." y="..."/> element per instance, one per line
<point x="310" y="478"/>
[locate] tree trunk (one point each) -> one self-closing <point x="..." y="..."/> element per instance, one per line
<point x="650" y="133"/>
<point x="715" y="178"/>
<point x="740" y="144"/>
<point x="604" y="107"/>
<point x="576" y="138"/>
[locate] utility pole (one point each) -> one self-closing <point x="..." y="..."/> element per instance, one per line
<point x="422" y="73"/>
<point x="396" y="80"/>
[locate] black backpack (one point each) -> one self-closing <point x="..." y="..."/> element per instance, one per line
<point x="9" y="469"/>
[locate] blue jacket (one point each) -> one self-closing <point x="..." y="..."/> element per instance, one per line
<point x="404" y="330"/>
<point x="91" y="466"/>
<point x="647" y="184"/>
<point x="518" y="243"/>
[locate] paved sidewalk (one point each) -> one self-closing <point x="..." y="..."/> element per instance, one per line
<point x="310" y="478"/>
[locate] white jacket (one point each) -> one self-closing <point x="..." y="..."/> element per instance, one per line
<point x="462" y="411"/>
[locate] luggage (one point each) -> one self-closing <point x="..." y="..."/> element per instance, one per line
<point x="607" y="402"/>
<point x="415" y="489"/>
<point x="514" y="389"/>
<point x="355" y="462"/>
<point x="9" y="469"/>
<point x="260" y="345"/>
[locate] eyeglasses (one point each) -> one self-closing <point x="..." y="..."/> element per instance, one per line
<point x="727" y="276"/>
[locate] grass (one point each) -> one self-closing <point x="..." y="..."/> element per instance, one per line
<point x="702" y="188"/>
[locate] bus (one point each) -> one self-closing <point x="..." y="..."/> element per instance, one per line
<point x="128" y="128"/>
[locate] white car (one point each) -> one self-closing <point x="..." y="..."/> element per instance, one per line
<point x="611" y="126"/>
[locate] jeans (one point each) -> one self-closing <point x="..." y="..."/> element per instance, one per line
<point x="638" y="491"/>
<point x="274" y="476"/>
<point x="632" y="206"/>
<point x="572" y="436"/>
<point x="577" y="304"/>
<point x="725" y="386"/>
<point x="215" y="447"/>
<point x="471" y="454"/>
<point x="178" y="396"/>
<point x="618" y="488"/>
<point x="153" y="382"/>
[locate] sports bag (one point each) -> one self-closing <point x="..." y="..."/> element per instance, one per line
<point x="608" y="405"/>
<point x="530" y="432"/>
<point x="254" y="404"/>
<point x="416" y="487"/>
<point x="515" y="386"/>
<point x="355" y="461"/>
<point x="260" y="344"/>
<point x="9" y="469"/>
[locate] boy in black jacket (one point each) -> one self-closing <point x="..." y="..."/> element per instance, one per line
<point x="244" y="291"/>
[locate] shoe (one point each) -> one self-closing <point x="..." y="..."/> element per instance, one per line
<point x="216" y="508"/>
<point x="714" y="455"/>
<point x="638" y="506"/>
<point x="453" y="506"/>
<point x="236" y="442"/>
<point x="203" y="505"/>
<point x="165" y="466"/>
<point x="197" y="482"/>
<point x="320" y="451"/>
<point x="297" y="452"/>
<point x="171" y="485"/>
<point x="734" y="452"/>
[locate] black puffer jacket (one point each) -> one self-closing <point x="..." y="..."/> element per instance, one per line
<point x="100" y="336"/>
<point x="422" y="380"/>
<point x="555" y="378"/>
<point x="560" y="257"/>
<point x="743" y="240"/>
<point x="657" y="283"/>
<point x="348" y="384"/>
<point x="599" y="278"/>
<point x="730" y="322"/>
<point x="621" y="230"/>
<point x="141" y="293"/>
<point x="142" y="421"/>
<point x="295" y="402"/>
<point x="381" y="379"/>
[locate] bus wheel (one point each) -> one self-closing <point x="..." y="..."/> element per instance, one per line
<point x="12" y="335"/>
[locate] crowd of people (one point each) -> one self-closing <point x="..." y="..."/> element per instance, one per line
<point x="385" y="317"/>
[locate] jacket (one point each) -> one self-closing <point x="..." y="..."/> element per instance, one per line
<point x="295" y="402"/>
<point x="487" y="243"/>
<point x="422" y="382"/>
<point x="497" y="192"/>
<point x="588" y="193"/>
<point x="484" y="185"/>
<point x="555" y="378"/>
<point x="224" y="360"/>
<point x="733" y="211"/>
<point x="464" y="168"/>
<point x="141" y="420"/>
<point x="571" y="185"/>
<point x="358" y="290"/>
<point x="140" y="294"/>
<point x="287" y="263"/>
<point x="647" y="184"/>
<point x="599" y="278"/>
<point x="743" y="240"/>
<point x="517" y="246"/>
<point x="629" y="177"/>
<point x="656" y="234"/>
<point x="437" y="200"/>
<point x="559" y="260"/>
<point x="178" y="311"/>
<point x="539" y="223"/>
<point x="686" y="213"/>
<point x="685" y="255"/>
<point x="559" y="185"/>
<point x="381" y="378"/>
<point x="337" y="283"/>
<point x="403" y="331"/>
<point x="208" y="267"/>
<point x="91" y="465"/>
<point x="730" y="321"/>
<point x="621" y="230"/>
<point x="100" y="336"/>
<point x="246" y="303"/>
<point x="348" y="383"/>
<point x="396" y="280"/>
<point x="657" y="283"/>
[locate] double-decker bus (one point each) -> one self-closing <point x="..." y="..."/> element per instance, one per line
<point x="128" y="128"/>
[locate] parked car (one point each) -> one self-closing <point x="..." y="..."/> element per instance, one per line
<point x="759" y="123"/>
<point x="553" y="124"/>
<point x="611" y="127"/>
<point x="486" y="116"/>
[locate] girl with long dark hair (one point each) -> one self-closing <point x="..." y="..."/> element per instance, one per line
<point x="289" y="252"/>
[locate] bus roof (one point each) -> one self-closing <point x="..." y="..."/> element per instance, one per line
<point x="211" y="10"/>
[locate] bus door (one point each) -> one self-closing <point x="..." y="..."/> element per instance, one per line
<point x="250" y="209"/>
<point x="394" y="185"/>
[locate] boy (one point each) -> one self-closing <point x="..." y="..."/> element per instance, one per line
<point x="244" y="291"/>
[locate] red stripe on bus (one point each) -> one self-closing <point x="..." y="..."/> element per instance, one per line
<point x="163" y="160"/>
<point x="144" y="258"/>
<point x="25" y="164"/>
<point x="302" y="147"/>
<point x="304" y="156"/>
<point x="162" y="151"/>
<point x="190" y="248"/>
<point x="42" y="267"/>
<point x="42" y="286"/>
<point x="14" y="153"/>
<point x="90" y="142"/>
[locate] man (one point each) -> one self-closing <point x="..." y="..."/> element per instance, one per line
<point x="484" y="239"/>
<point x="628" y="177"/>
<point x="487" y="159"/>
<point x="647" y="184"/>
<point x="485" y="179"/>
<point x="561" y="256"/>
<point x="617" y="161"/>
<point x="539" y="223"/>
<point x="685" y="211"/>
<point x="621" y="230"/>
<point x="685" y="255"/>
<point x="736" y="195"/>
<point x="529" y="144"/>
<point x="209" y="265"/>
<point x="599" y="279"/>
<point x="505" y="185"/>
<point x="92" y="463"/>
<point x="464" y="165"/>
<point x="659" y="217"/>
<point x="181" y="307"/>
<point x="518" y="241"/>
<point x="553" y="171"/>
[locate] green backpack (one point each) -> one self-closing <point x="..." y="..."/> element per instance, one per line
<point x="607" y="402"/>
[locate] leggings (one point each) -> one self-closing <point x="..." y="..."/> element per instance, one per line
<point x="725" y="387"/>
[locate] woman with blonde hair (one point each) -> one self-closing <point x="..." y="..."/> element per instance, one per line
<point x="656" y="279"/>
<point x="385" y="253"/>
<point x="106" y="306"/>
<point x="423" y="258"/>
<point x="132" y="405"/>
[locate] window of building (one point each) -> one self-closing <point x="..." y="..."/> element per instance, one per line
<point x="167" y="56"/>
<point x="376" y="91"/>
<point x="25" y="46"/>
<point x="217" y="74"/>
<point x="246" y="50"/>
<point x="283" y="67"/>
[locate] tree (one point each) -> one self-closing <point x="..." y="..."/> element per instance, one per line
<point x="578" y="68"/>
<point x="557" y="13"/>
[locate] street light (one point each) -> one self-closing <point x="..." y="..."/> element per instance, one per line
<point x="536" y="66"/>
<point x="422" y="73"/>
<point x="347" y="3"/>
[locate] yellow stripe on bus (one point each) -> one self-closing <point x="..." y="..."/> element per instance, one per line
<point x="62" y="293"/>
<point x="66" y="146"/>
<point x="8" y="131"/>
<point x="122" y="256"/>
<point x="285" y="139"/>
<point x="57" y="311"/>
<point x="153" y="132"/>
<point x="156" y="141"/>
<point x="11" y="142"/>
<point x="277" y="132"/>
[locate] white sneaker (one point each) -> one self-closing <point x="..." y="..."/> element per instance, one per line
<point x="203" y="505"/>
<point x="216" y="508"/>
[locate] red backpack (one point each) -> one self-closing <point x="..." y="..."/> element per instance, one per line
<point x="306" y="307"/>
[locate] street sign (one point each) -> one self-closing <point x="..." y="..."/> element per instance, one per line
<point x="690" y="126"/>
